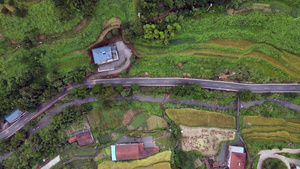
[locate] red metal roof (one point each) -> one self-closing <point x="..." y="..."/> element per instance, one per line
<point x="238" y="160"/>
<point x="72" y="139"/>
<point x="84" y="138"/>
<point x="133" y="151"/>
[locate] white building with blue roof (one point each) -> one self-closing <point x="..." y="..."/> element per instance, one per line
<point x="105" y="54"/>
<point x="14" y="115"/>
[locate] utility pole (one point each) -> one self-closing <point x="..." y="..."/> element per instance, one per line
<point x="210" y="5"/>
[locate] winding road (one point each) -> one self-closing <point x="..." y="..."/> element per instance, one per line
<point x="208" y="84"/>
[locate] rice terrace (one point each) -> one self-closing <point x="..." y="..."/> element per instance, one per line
<point x="150" y="84"/>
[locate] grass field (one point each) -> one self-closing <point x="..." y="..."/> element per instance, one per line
<point x="193" y="117"/>
<point x="154" y="122"/>
<point x="67" y="63"/>
<point x="164" y="156"/>
<point x="206" y="49"/>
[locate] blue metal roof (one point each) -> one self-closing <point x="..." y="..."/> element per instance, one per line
<point x="113" y="153"/>
<point x="101" y="54"/>
<point x="13" y="115"/>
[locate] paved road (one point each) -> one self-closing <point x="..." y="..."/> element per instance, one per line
<point x="209" y="84"/>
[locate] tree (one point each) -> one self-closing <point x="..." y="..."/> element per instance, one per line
<point x="128" y="35"/>
<point x="115" y="31"/>
<point x="135" y="87"/>
<point x="97" y="89"/>
<point x="294" y="12"/>
<point x="4" y="10"/>
<point x="94" y="66"/>
<point x="1" y="1"/>
<point x="119" y="88"/>
<point x="126" y="92"/>
<point x="137" y="28"/>
<point x="20" y="12"/>
<point x="245" y="95"/>
<point x="11" y="2"/>
<point x="63" y="13"/>
<point x="108" y="35"/>
<point x="108" y="92"/>
<point x="79" y="92"/>
<point x="132" y="58"/>
<point x="26" y="43"/>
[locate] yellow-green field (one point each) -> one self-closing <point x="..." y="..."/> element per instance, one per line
<point x="263" y="129"/>
<point x="193" y="117"/>
<point x="154" y="122"/>
<point x="164" y="156"/>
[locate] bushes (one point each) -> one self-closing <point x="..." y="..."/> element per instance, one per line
<point x="108" y="35"/>
<point x="4" y="10"/>
<point x="115" y="31"/>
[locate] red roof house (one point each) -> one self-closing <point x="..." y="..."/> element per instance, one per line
<point x="131" y="151"/>
<point x="238" y="160"/>
<point x="82" y="139"/>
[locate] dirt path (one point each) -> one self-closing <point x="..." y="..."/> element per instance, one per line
<point x="274" y="153"/>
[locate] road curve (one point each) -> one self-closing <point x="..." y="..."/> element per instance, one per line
<point x="208" y="84"/>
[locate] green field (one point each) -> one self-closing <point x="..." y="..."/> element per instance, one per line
<point x="138" y="120"/>
<point x="249" y="45"/>
<point x="154" y="122"/>
<point x="193" y="117"/>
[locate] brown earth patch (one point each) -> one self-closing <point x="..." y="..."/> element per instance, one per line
<point x="80" y="25"/>
<point x="10" y="8"/>
<point x="41" y="37"/>
<point x="204" y="140"/>
<point x="128" y="117"/>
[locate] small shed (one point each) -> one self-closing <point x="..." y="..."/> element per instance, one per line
<point x="13" y="115"/>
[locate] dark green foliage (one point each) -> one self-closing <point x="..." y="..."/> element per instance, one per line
<point x="85" y="6"/>
<point x="70" y="114"/>
<point x="135" y="87"/>
<point x="94" y="66"/>
<point x="26" y="43"/>
<point x="79" y="92"/>
<point x="1" y="1"/>
<point x="128" y="35"/>
<point x="236" y="3"/>
<point x="4" y="10"/>
<point x="126" y="92"/>
<point x="104" y="138"/>
<point x="76" y="75"/>
<point x="21" y="12"/>
<point x="115" y="31"/>
<point x="182" y="90"/>
<point x="108" y="35"/>
<point x="85" y="108"/>
<point x="119" y="88"/>
<point x="294" y="12"/>
<point x="64" y="13"/>
<point x="245" y="95"/>
<point x="97" y="89"/>
<point x="132" y="58"/>
<point x="105" y="91"/>
<point x="274" y="163"/>
<point x="11" y="2"/>
<point x="30" y="125"/>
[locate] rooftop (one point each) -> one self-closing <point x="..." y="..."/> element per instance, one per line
<point x="238" y="160"/>
<point x="82" y="139"/>
<point x="101" y="55"/>
<point x="13" y="115"/>
<point x="131" y="151"/>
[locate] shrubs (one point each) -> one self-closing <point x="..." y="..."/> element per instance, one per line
<point x="115" y="31"/>
<point x="20" y="12"/>
<point x="108" y="35"/>
<point x="4" y="10"/>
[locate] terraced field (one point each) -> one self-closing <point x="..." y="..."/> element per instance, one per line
<point x="262" y="129"/>
<point x="231" y="50"/>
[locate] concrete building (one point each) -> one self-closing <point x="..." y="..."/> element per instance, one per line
<point x="13" y="116"/>
<point x="237" y="157"/>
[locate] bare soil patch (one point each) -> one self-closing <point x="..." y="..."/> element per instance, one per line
<point x="204" y="140"/>
<point x="10" y="8"/>
<point x="128" y="117"/>
<point x="80" y="25"/>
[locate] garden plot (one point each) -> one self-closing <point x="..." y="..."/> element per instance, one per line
<point x="204" y="140"/>
<point x="154" y="122"/>
<point x="128" y="117"/>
